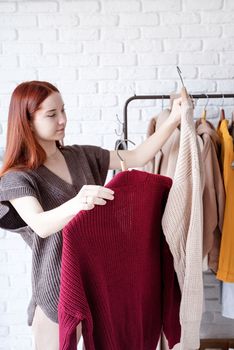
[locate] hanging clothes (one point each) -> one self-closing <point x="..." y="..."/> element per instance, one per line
<point x="226" y="259"/>
<point x="213" y="193"/>
<point x="227" y="156"/>
<point x="179" y="158"/>
<point x="228" y="300"/>
<point x="117" y="270"/>
<point x="119" y="145"/>
<point x="182" y="225"/>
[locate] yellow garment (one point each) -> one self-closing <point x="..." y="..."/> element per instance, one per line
<point x="226" y="257"/>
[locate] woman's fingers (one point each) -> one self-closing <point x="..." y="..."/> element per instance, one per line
<point x="91" y="195"/>
<point x="177" y="101"/>
<point x="95" y="200"/>
<point x="184" y="94"/>
<point x="96" y="188"/>
<point x="98" y="192"/>
<point x="87" y="206"/>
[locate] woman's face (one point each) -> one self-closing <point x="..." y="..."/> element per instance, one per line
<point x="49" y="121"/>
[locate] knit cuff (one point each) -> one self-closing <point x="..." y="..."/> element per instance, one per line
<point x="190" y="336"/>
<point x="67" y="330"/>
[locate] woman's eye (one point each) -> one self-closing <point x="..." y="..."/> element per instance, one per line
<point x="51" y="115"/>
<point x="63" y="110"/>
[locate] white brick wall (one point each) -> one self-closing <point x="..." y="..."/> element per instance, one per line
<point x="99" y="53"/>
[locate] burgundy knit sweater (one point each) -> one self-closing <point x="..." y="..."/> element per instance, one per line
<point x="117" y="272"/>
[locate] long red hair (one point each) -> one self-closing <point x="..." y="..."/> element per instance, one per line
<point x="22" y="149"/>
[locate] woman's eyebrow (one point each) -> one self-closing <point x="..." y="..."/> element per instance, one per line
<point x="52" y="110"/>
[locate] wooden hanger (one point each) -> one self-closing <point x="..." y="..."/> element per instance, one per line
<point x="203" y="116"/>
<point x="122" y="161"/>
<point x="204" y="113"/>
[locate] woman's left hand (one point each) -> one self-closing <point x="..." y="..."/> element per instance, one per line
<point x="175" y="114"/>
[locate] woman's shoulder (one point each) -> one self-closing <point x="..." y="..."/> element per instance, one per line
<point x="13" y="174"/>
<point x="17" y="179"/>
<point x="16" y="184"/>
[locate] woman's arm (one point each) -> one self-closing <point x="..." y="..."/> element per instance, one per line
<point x="45" y="223"/>
<point x="146" y="151"/>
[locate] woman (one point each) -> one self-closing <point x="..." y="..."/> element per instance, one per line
<point x="44" y="185"/>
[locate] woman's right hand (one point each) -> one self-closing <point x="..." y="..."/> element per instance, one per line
<point x="46" y="223"/>
<point x="91" y="195"/>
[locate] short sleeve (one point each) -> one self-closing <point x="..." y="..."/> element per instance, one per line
<point x="14" y="184"/>
<point x="98" y="159"/>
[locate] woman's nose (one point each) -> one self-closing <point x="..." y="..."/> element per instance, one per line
<point x="62" y="118"/>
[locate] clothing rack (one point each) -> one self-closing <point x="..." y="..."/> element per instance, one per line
<point x="162" y="97"/>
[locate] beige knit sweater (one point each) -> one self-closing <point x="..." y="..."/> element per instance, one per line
<point x="183" y="226"/>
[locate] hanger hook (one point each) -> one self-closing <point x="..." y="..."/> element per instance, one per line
<point x="222" y="101"/>
<point x="117" y="134"/>
<point x="117" y="147"/>
<point x="121" y="123"/>
<point x="180" y="75"/>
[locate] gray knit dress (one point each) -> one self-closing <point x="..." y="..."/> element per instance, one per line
<point x="88" y="165"/>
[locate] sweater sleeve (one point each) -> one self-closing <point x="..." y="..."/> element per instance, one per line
<point x="14" y="184"/>
<point x="72" y="306"/>
<point x="171" y="298"/>
<point x="171" y="291"/>
<point x="67" y="330"/>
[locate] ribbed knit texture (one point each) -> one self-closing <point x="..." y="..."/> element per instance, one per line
<point x="87" y="165"/>
<point x="117" y="270"/>
<point x="183" y="227"/>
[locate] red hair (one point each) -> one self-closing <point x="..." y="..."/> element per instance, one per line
<point x="22" y="149"/>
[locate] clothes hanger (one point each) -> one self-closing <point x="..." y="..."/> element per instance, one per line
<point x="118" y="143"/>
<point x="180" y="75"/>
<point x="222" y="113"/>
<point x="122" y="161"/>
<point x="184" y="94"/>
<point x="120" y="134"/>
<point x="119" y="123"/>
<point x="203" y="116"/>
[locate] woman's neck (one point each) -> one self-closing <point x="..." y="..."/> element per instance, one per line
<point x="50" y="149"/>
<point x="52" y="153"/>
